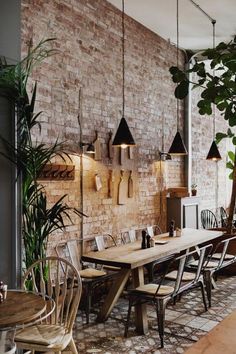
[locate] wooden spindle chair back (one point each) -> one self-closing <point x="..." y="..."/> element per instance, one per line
<point x="208" y="219"/>
<point x="57" y="278"/>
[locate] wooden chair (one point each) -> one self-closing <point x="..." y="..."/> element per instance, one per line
<point x="179" y="281"/>
<point x="218" y="260"/>
<point x="58" y="279"/>
<point x="208" y="219"/>
<point x="91" y="277"/>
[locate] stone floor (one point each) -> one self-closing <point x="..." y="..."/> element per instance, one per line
<point x="186" y="322"/>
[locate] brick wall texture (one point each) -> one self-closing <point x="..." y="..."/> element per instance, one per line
<point x="88" y="39"/>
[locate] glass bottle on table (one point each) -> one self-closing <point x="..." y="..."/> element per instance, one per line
<point x="171" y="228"/>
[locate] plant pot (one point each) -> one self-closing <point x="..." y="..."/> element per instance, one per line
<point x="194" y="192"/>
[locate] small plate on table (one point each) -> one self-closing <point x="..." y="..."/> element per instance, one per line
<point x="161" y="242"/>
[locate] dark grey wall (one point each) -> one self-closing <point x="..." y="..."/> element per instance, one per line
<point x="10" y="241"/>
<point x="10" y="29"/>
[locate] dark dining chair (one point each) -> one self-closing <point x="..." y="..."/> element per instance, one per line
<point x="208" y="219"/>
<point x="223" y="217"/>
<point x="171" y="284"/>
<point x="221" y="258"/>
<point x="91" y="277"/>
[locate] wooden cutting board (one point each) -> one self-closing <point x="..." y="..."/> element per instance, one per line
<point x="130" y="185"/>
<point x="98" y="149"/>
<point x="98" y="182"/>
<point x="110" y="146"/>
<point x="122" y="155"/>
<point x="122" y="189"/>
<point x="131" y="152"/>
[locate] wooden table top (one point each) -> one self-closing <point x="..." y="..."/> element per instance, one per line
<point x="221" y="339"/>
<point x="20" y="307"/>
<point x="132" y="256"/>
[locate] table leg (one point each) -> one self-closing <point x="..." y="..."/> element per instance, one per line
<point x="114" y="294"/>
<point x="140" y="310"/>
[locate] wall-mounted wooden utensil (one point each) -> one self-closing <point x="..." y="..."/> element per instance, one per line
<point x="122" y="189"/>
<point x="98" y="149"/>
<point x="130" y="152"/>
<point x="130" y="185"/>
<point x="98" y="182"/>
<point x="122" y="155"/>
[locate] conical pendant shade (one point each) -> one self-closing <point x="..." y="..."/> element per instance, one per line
<point x="123" y="135"/>
<point x="214" y="153"/>
<point x="177" y="146"/>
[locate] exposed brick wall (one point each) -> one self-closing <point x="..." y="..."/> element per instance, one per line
<point x="89" y="42"/>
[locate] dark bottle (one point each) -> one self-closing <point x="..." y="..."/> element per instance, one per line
<point x="148" y="237"/>
<point x="144" y="235"/>
<point x="172" y="228"/>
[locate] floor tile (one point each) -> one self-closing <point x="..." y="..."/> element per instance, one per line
<point x="186" y="322"/>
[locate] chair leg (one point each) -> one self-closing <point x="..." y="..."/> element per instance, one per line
<point x="88" y="302"/>
<point x="208" y="285"/>
<point x="160" y="310"/>
<point x="73" y="346"/>
<point x="203" y="295"/>
<point x="128" y="318"/>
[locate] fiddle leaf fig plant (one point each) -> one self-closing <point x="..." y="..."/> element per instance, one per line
<point x="39" y="219"/>
<point x="216" y="77"/>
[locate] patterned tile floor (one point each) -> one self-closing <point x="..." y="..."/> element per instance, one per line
<point x="186" y="322"/>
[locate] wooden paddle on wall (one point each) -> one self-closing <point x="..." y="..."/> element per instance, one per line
<point x="97" y="146"/>
<point x="130" y="185"/>
<point x="122" y="189"/>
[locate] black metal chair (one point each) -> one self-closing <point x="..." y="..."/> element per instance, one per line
<point x="91" y="277"/>
<point x="218" y="260"/>
<point x="177" y="282"/>
<point x="223" y="217"/>
<point x="208" y="219"/>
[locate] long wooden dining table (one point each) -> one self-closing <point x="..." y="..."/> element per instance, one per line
<point x="131" y="258"/>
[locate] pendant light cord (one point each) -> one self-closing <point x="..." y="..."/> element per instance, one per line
<point x="123" y="58"/>
<point x="214" y="44"/>
<point x="177" y="54"/>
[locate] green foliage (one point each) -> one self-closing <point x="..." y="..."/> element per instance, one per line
<point x="218" y="88"/>
<point x="38" y="220"/>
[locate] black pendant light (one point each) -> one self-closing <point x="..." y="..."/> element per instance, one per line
<point x="214" y="154"/>
<point x="177" y="146"/>
<point x="123" y="136"/>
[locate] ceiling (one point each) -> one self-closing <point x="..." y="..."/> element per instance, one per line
<point x="195" y="29"/>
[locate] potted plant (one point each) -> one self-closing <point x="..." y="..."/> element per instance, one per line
<point x="218" y="88"/>
<point x="38" y="219"/>
<point x="194" y="189"/>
